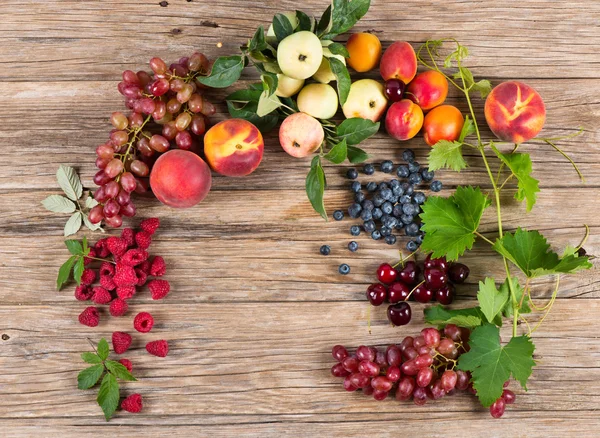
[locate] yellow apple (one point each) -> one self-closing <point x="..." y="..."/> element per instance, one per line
<point x="271" y="38"/>
<point x="287" y="87"/>
<point x="318" y="100"/>
<point x="366" y="100"/>
<point x="324" y="73"/>
<point x="299" y="55"/>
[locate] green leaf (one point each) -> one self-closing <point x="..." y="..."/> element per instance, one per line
<point x="225" y="71"/>
<point x="338" y="49"/>
<point x="78" y="269"/>
<point x="58" y="204"/>
<point x="521" y="167"/>
<point x="447" y="154"/>
<point x="258" y="43"/>
<point x="508" y="308"/>
<point x="119" y="371"/>
<point x="338" y="153"/>
<point x="356" y="130"/>
<point x="64" y="273"/>
<point x="282" y="27"/>
<point x="346" y="14"/>
<point x="484" y="87"/>
<point x="532" y="254"/>
<point x="339" y="70"/>
<point x="90" y="225"/>
<point x="440" y="316"/>
<point x="92" y="358"/>
<point x="103" y="349"/>
<point x="491" y="300"/>
<point x="466" y="75"/>
<point x="267" y="104"/>
<point x="243" y="104"/>
<point x="467" y="129"/>
<point x="325" y="23"/>
<point x="357" y="155"/>
<point x="108" y="395"/>
<point x="89" y="376"/>
<point x="69" y="182"/>
<point x="90" y="202"/>
<point x="74" y="247"/>
<point x="491" y="364"/>
<point x="450" y="223"/>
<point x="85" y="246"/>
<point x="305" y="22"/>
<point x="73" y="224"/>
<point x="315" y="186"/>
<point x="270" y="82"/>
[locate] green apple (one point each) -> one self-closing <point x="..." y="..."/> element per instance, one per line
<point x="299" y="55"/>
<point x="324" y="73"/>
<point x="287" y="87"/>
<point x="366" y="100"/>
<point x="271" y="38"/>
<point x="318" y="100"/>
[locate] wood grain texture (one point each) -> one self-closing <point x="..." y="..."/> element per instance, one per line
<point x="254" y="309"/>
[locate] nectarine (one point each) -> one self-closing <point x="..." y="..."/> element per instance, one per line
<point x="399" y="61"/>
<point x="444" y="122"/>
<point x="404" y="120"/>
<point x="428" y="89"/>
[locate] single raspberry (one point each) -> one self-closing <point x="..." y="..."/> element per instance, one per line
<point x="143" y="322"/>
<point x="128" y="236"/>
<point x="158" y="267"/>
<point x="126" y="363"/>
<point x="107" y="282"/>
<point x="159" y="289"/>
<point x="145" y="266"/>
<point x="83" y="292"/>
<point x="88" y="276"/>
<point x="158" y="348"/>
<point x="90" y="317"/>
<point x="134" y="257"/>
<point x="142" y="277"/>
<point x="150" y="225"/>
<point x="132" y="404"/>
<point x="121" y="342"/>
<point x="116" y="245"/>
<point x="118" y="307"/>
<point x="125" y="276"/>
<point x="101" y="295"/>
<point x="126" y="292"/>
<point x="107" y="268"/>
<point x="89" y="259"/>
<point x="143" y="239"/>
<point x="101" y="248"/>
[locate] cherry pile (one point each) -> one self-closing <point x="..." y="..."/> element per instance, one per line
<point x="421" y="368"/>
<point x="397" y="286"/>
<point x="167" y="109"/>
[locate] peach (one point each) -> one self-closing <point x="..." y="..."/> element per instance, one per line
<point x="300" y="135"/>
<point x="180" y="179"/>
<point x="399" y="61"/>
<point x="404" y="120"/>
<point x="515" y="112"/>
<point x="428" y="89"/>
<point x="444" y="122"/>
<point x="233" y="147"/>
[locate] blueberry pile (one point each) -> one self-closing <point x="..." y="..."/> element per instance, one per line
<point x="388" y="208"/>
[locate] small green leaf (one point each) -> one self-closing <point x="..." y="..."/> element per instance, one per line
<point x="338" y="153"/>
<point x="325" y="23"/>
<point x="508" y="308"/>
<point x="103" y="349"/>
<point x="108" y="395"/>
<point x="338" y="49"/>
<point x="282" y="27"/>
<point x="441" y="316"/>
<point x="357" y="155"/>
<point x="339" y="70"/>
<point x="484" y="87"/>
<point x="447" y="155"/>
<point x="315" y="186"/>
<point x="64" y="273"/>
<point x="69" y="182"/>
<point x="90" y="202"/>
<point x="58" y="204"/>
<point x="356" y="130"/>
<point x="521" y="167"/>
<point x="267" y="104"/>
<point x="74" y="247"/>
<point x="270" y="82"/>
<point x="466" y="75"/>
<point x="90" y="225"/>
<point x="243" y="104"/>
<point x="119" y="371"/>
<point x="345" y="15"/>
<point x="305" y="22"/>
<point x="73" y="224"/>
<point x="78" y="269"/>
<point x="467" y="129"/>
<point x="491" y="300"/>
<point x="92" y="358"/>
<point x="85" y="246"/>
<point x="89" y="376"/>
<point x="258" y="43"/>
<point x="225" y="71"/>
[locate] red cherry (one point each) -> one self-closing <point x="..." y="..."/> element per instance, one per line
<point x="410" y="273"/>
<point x="439" y="263"/>
<point x="445" y="295"/>
<point x="422" y="294"/>
<point x="376" y="294"/>
<point x="397" y="292"/>
<point x="458" y="273"/>
<point x="435" y="278"/>
<point x="386" y="273"/>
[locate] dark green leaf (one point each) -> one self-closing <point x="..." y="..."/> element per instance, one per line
<point x="78" y="269"/>
<point x="258" y="43"/>
<point x="338" y="68"/>
<point x="243" y="104"/>
<point x="325" y="23"/>
<point x="282" y="27"/>
<point x="225" y="71"/>
<point x="338" y="49"/>
<point x="119" y="371"/>
<point x="270" y="82"/>
<point x="357" y="155"/>
<point x="356" y="130"/>
<point x="89" y="376"/>
<point x="338" y="153"/>
<point x="108" y="395"/>
<point x="440" y="316"/>
<point x="103" y="349"/>
<point x="315" y="186"/>
<point x="64" y="273"/>
<point x="346" y="14"/>
<point x="305" y="22"/>
<point x="447" y="155"/>
<point x="92" y="358"/>
<point x="74" y="247"/>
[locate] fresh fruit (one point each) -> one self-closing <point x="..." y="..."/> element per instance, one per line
<point x="397" y="292"/>
<point x="435" y="278"/>
<point x="445" y="295"/>
<point x="428" y="89"/>
<point x="376" y="294"/>
<point x="233" y="147"/>
<point x="399" y="61"/>
<point x="386" y="273"/>
<point x="422" y="294"/>
<point x="365" y="100"/>
<point x="458" y="273"/>
<point x="180" y="179"/>
<point x="299" y="55"/>
<point x="287" y="86"/>
<point x="365" y="51"/>
<point x="318" y="100"/>
<point x="409" y="273"/>
<point x="442" y="123"/>
<point x="404" y="120"/>
<point x="399" y="314"/>
<point x="394" y="90"/>
<point x="292" y="18"/>
<point x="300" y="135"/>
<point x="324" y="74"/>
<point x="515" y="112"/>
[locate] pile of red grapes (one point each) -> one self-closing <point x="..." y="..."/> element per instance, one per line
<point x="168" y="109"/>
<point x="421" y="368"/>
<point x="399" y="285"/>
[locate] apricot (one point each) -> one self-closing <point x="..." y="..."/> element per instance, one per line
<point x="364" y="50"/>
<point x="428" y="89"/>
<point x="515" y="112"/>
<point x="180" y="179"/>
<point x="399" y="61"/>
<point x="233" y="147"/>
<point x="404" y="120"/>
<point x="444" y="122"/>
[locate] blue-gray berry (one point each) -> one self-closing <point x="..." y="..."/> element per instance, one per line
<point x="385" y="231"/>
<point x="427" y="175"/>
<point x="366" y="215"/>
<point x="405" y="199"/>
<point x="353" y="246"/>
<point x="352" y="173"/>
<point x="367" y="204"/>
<point x="436" y="186"/>
<point x="415" y="178"/>
<point x="377" y="213"/>
<point x="355" y="230"/>
<point x="338" y="215"/>
<point x="369" y="169"/>
<point x="359" y="197"/>
<point x="407" y="219"/>
<point x="419" y="197"/>
<point x="325" y="250"/>
<point x="408" y="188"/>
<point x="390" y="240"/>
<point x="414" y="167"/>
<point x="369" y="226"/>
<point x="402" y="171"/>
<point x="412" y="246"/>
<point x="387" y="166"/>
<point x="387" y="207"/>
<point x="354" y="210"/>
<point x="355" y="186"/>
<point x="344" y="269"/>
<point x="397" y="211"/>
<point x="411" y="229"/>
<point x="408" y="209"/>
<point x="408" y="155"/>
<point x="372" y="186"/>
<point x="375" y="235"/>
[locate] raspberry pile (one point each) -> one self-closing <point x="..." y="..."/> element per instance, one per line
<point x="397" y="286"/>
<point x="167" y="109"/>
<point x="421" y="368"/>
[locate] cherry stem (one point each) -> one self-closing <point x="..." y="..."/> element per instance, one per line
<point x="415" y="288"/>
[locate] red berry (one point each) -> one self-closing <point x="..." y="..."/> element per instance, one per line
<point x="399" y="314"/>
<point x="134" y="257"/>
<point x="143" y="322"/>
<point x="88" y="276"/>
<point x="125" y="276"/>
<point x="398" y="291"/>
<point x="497" y="408"/>
<point x="107" y="268"/>
<point x="376" y="294"/>
<point x="386" y="273"/>
<point x="410" y="273"/>
<point x="159" y="289"/>
<point x="126" y="363"/>
<point x="116" y="245"/>
<point x="90" y="317"/>
<point x="150" y="225"/>
<point x="439" y="263"/>
<point x="339" y="353"/>
<point x="126" y="292"/>
<point x="132" y="404"/>
<point x="118" y="307"/>
<point x="158" y="348"/>
<point x="142" y="277"/>
<point x="143" y="239"/>
<point x="101" y="295"/>
<point x="445" y="295"/>
<point x="128" y="236"/>
<point x="121" y="342"/>
<point x="83" y="292"/>
<point x="394" y="90"/>
<point x="422" y="294"/>
<point x="508" y="396"/>
<point x="158" y="267"/>
<point x="458" y="273"/>
<point x="435" y="278"/>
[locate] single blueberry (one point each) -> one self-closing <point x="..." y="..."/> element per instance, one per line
<point x="385" y="231"/>
<point x="369" y="226"/>
<point x="419" y="197"/>
<point x="383" y="185"/>
<point x="378" y="200"/>
<point x="338" y="215"/>
<point x="411" y="229"/>
<point x="414" y="167"/>
<point x="427" y="175"/>
<point x="355" y="230"/>
<point x="405" y="199"/>
<point x="419" y="238"/>
<point x="356" y="186"/>
<point x="415" y="178"/>
<point x="366" y="215"/>
<point x="436" y="186"/>
<point x="397" y="211"/>
<point x="369" y="169"/>
<point x="408" y="188"/>
<point x="377" y="213"/>
<point x="390" y="240"/>
<point x="352" y="173"/>
<point x="390" y="221"/>
<point x="344" y="269"/>
<point x="402" y="171"/>
<point x="372" y="186"/>
<point x="412" y="246"/>
<point x="386" y="193"/>
<point x="387" y="166"/>
<point x="408" y="155"/>
<point x="367" y="204"/>
<point x="325" y="250"/>
<point x="353" y="246"/>
<point x="354" y="210"/>
<point x="407" y="219"/>
<point x="408" y="209"/>
<point x="397" y="191"/>
<point x="387" y="207"/>
<point x="375" y="235"/>
<point x="359" y="197"/>
<point x="394" y="183"/>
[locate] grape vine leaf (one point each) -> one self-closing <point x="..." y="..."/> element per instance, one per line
<point x="447" y="154"/>
<point x="225" y="71"/>
<point x="521" y="167"/>
<point x="440" y="316"/>
<point x="508" y="308"/>
<point x="483" y="86"/>
<point x="491" y="300"/>
<point x="531" y="253"/>
<point x="450" y="223"/>
<point x="89" y="376"/>
<point x="58" y="204"/>
<point x="315" y="186"/>
<point x="338" y="153"/>
<point x="108" y="395"/>
<point x="355" y="130"/>
<point x="69" y="182"/>
<point x="491" y="364"/>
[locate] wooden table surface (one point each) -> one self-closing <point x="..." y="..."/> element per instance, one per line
<point x="254" y="310"/>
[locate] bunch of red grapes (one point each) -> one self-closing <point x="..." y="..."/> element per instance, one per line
<point x="168" y="109"/>
<point x="399" y="285"/>
<point x="421" y="368"/>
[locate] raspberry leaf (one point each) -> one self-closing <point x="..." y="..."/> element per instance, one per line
<point x="89" y="376"/>
<point x="118" y="370"/>
<point x="73" y="224"/>
<point x="90" y="202"/>
<point x="521" y="167"/>
<point x="315" y="186"/>
<point x="58" y="204"/>
<point x="64" y="273"/>
<point x="103" y="349"/>
<point x="74" y="247"/>
<point x="447" y="155"/>
<point x="92" y="358"/>
<point x="338" y="153"/>
<point x="491" y="300"/>
<point x="91" y="226"/>
<point x="69" y="182"/>
<point x="78" y="269"/>
<point x="441" y="316"/>
<point x="108" y="395"/>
